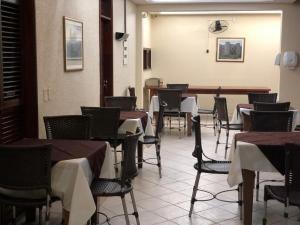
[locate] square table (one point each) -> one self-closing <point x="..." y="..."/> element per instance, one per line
<point x="256" y="151"/>
<point x="75" y="163"/>
<point x="188" y="105"/>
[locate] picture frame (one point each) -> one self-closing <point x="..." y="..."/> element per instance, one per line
<point x="230" y="50"/>
<point x="73" y="44"/>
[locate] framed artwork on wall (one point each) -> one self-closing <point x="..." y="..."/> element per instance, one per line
<point x="73" y="44"/>
<point x="230" y="49"/>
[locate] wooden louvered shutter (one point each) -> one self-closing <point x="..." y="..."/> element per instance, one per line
<point x="11" y="72"/>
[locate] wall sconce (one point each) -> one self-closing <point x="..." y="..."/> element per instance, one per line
<point x="290" y="60"/>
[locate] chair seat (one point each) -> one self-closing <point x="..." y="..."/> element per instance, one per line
<point x="233" y="126"/>
<point x="279" y="193"/>
<point x="217" y="167"/>
<point x="109" y="187"/>
<point x="150" y="140"/>
<point x="205" y="111"/>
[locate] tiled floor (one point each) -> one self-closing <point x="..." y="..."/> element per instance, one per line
<point x="166" y="201"/>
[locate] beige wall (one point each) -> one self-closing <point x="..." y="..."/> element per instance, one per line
<point x="179" y="45"/>
<point x="68" y="91"/>
<point x="124" y="75"/>
<point x="289" y="80"/>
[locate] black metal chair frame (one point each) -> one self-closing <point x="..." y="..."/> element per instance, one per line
<point x="289" y="194"/>
<point x="126" y="103"/>
<point x="172" y="97"/>
<point x="206" y="164"/>
<point x="262" y="97"/>
<point x="222" y="116"/>
<point x="17" y="175"/>
<point x="156" y="140"/>
<point x="101" y="187"/>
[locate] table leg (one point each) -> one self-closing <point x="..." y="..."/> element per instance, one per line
<point x="140" y="155"/>
<point x="66" y="215"/>
<point x="248" y="186"/>
<point x="189" y="124"/>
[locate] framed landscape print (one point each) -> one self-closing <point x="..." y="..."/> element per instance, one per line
<point x="73" y="44"/>
<point x="230" y="49"/>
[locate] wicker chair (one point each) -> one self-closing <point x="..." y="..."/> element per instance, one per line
<point x="68" y="127"/>
<point x="172" y="97"/>
<point x="155" y="140"/>
<point x="262" y="97"/>
<point x="182" y="87"/>
<point x="208" y="165"/>
<point x="223" y="122"/>
<point x="289" y="194"/>
<point x="104" y="125"/>
<point x="262" y="106"/>
<point x="125" y="103"/>
<point x="26" y="168"/>
<point x="101" y="187"/>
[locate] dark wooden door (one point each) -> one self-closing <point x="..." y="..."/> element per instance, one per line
<point x="106" y="49"/>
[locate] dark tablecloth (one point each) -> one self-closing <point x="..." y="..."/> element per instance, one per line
<point x="94" y="151"/>
<point x="134" y="115"/>
<point x="271" y="144"/>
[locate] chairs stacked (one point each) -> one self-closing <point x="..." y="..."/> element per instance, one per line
<point x="172" y="97"/>
<point x="148" y="140"/>
<point x="223" y="121"/>
<point x="207" y="165"/>
<point x="289" y="194"/>
<point x="125" y="103"/>
<point x="26" y="169"/>
<point x="120" y="187"/>
<point x="262" y="97"/>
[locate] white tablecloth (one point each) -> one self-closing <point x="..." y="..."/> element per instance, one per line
<point x="238" y="118"/>
<point x="246" y="156"/>
<point x="188" y="105"/>
<point x="71" y="181"/>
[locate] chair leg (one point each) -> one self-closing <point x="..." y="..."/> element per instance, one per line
<point x="215" y="125"/>
<point x="116" y="160"/>
<point x="157" y="146"/>
<point x="257" y="186"/>
<point x="125" y="210"/>
<point x="40" y="216"/>
<point x="266" y="213"/>
<point x="136" y="214"/>
<point x="179" y="128"/>
<point x="47" y="218"/>
<point x="226" y="144"/>
<point x="218" y="139"/>
<point x="240" y="190"/>
<point x="14" y="221"/>
<point x="140" y="154"/>
<point x="193" y="199"/>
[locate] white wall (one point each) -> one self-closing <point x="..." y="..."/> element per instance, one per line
<point x="124" y="75"/>
<point x="68" y="90"/>
<point x="179" y="45"/>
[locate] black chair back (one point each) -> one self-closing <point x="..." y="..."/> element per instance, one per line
<point x="125" y="103"/>
<point x="131" y="91"/>
<point x="104" y="121"/>
<point x="262" y="97"/>
<point x="172" y="97"/>
<point x="182" y="87"/>
<point x="160" y="119"/>
<point x="129" y="169"/>
<point x="292" y="167"/>
<point x="271" y="121"/>
<point x="67" y="127"/>
<point x="25" y="167"/>
<point x="261" y="106"/>
<point x="198" y="143"/>
<point x="221" y="109"/>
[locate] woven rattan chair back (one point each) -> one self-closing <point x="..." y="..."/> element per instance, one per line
<point x="125" y="103"/>
<point x="221" y="109"/>
<point x="292" y="167"/>
<point x="160" y="119"/>
<point x="68" y="127"/>
<point x="131" y="91"/>
<point x="262" y="97"/>
<point x="25" y="167"/>
<point x="261" y="106"/>
<point x="172" y="97"/>
<point x="129" y="169"/>
<point x="104" y="121"/>
<point x="271" y="121"/>
<point x="182" y="87"/>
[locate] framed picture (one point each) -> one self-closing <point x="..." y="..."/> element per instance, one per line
<point x="73" y="44"/>
<point x="230" y="49"/>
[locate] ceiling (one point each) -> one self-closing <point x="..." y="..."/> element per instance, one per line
<point x="209" y="1"/>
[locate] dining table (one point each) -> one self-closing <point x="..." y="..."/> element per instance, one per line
<point x="256" y="151"/>
<point x="188" y="105"/>
<point x="74" y="165"/>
